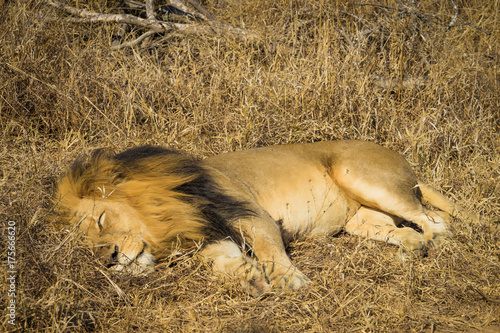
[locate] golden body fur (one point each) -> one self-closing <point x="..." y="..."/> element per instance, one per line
<point x="139" y="205"/>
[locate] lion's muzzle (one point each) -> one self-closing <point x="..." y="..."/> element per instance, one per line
<point x="131" y="255"/>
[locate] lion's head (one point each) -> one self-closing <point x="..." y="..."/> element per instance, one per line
<point x="141" y="204"/>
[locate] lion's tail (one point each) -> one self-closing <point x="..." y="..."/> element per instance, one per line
<point x="440" y="201"/>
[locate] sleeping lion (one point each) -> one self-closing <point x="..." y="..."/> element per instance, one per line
<point x="140" y="205"/>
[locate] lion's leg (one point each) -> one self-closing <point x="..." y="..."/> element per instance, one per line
<point x="267" y="243"/>
<point x="404" y="203"/>
<point x="376" y="225"/>
<point x="388" y="184"/>
<point x="408" y="207"/>
<point x="397" y="197"/>
<point x="228" y="259"/>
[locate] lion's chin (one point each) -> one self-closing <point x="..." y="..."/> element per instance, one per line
<point x="143" y="264"/>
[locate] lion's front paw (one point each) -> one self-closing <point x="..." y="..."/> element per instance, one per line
<point x="257" y="284"/>
<point x="288" y="278"/>
<point x="142" y="265"/>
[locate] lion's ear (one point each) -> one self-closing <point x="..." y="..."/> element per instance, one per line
<point x="100" y="220"/>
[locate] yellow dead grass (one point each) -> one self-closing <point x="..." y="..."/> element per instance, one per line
<point x="325" y="70"/>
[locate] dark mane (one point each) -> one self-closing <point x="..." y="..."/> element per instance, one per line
<point x="219" y="210"/>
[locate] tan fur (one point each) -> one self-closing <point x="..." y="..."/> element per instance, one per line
<point x="290" y="191"/>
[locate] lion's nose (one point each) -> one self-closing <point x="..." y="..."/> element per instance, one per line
<point x="114" y="255"/>
<point x="114" y="258"/>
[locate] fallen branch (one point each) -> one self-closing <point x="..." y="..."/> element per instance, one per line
<point x="201" y="9"/>
<point x="180" y="5"/>
<point x="202" y="21"/>
<point x="150" y="10"/>
<point x="91" y="17"/>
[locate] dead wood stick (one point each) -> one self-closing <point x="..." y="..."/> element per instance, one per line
<point x="89" y="16"/>
<point x="133" y="42"/>
<point x="202" y="9"/>
<point x="180" y="5"/>
<point x="150" y="10"/>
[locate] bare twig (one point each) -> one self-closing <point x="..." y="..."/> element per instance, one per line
<point x="202" y="9"/>
<point x="454" y="18"/>
<point x="134" y="42"/>
<point x="180" y="5"/>
<point x="150" y="9"/>
<point x="470" y="25"/>
<point x="135" y="4"/>
<point x="118" y="290"/>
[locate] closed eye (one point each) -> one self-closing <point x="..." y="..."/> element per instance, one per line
<point x="100" y="220"/>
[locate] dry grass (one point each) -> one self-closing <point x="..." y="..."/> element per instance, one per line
<point x="324" y="70"/>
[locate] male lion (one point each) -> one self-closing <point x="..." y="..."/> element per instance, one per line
<point x="243" y="207"/>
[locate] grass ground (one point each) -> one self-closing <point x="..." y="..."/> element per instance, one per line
<point x="323" y="70"/>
